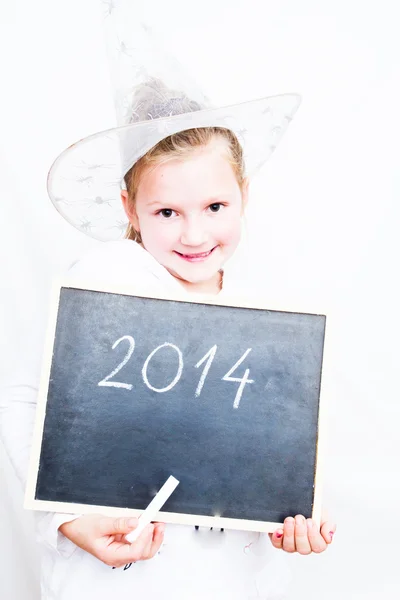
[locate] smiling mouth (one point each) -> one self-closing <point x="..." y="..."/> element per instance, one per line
<point x="199" y="257"/>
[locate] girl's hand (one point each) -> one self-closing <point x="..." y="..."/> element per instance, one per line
<point x="303" y="535"/>
<point x="104" y="537"/>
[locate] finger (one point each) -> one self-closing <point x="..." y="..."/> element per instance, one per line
<point x="277" y="538"/>
<point x="288" y="543"/>
<point x="301" y="537"/>
<point x="110" y="526"/>
<point x="316" y="540"/>
<point x="143" y="543"/>
<point x="158" y="538"/>
<point x="123" y="553"/>
<point x="147" y="548"/>
<point x="327" y="531"/>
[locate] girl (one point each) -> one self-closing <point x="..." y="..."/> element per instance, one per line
<point x="184" y="197"/>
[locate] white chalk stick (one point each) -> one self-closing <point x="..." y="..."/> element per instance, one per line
<point x="155" y="505"/>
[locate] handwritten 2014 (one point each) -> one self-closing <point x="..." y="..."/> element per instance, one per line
<point x="207" y="359"/>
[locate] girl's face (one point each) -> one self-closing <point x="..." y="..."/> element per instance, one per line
<point x="189" y="213"/>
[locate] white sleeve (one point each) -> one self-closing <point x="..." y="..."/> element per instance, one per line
<point x="47" y="525"/>
<point x="17" y="416"/>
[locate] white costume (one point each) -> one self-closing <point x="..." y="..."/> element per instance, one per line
<point x="191" y="564"/>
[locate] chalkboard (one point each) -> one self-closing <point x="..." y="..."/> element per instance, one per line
<point x="226" y="398"/>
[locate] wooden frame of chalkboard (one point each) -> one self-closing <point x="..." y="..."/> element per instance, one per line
<point x="285" y="469"/>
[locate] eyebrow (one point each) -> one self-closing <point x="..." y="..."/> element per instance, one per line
<point x="155" y="202"/>
<point x="212" y="200"/>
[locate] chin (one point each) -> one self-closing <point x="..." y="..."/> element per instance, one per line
<point x="194" y="277"/>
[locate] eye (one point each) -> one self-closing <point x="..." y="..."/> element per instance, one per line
<point x="165" y="212"/>
<point x="215" y="207"/>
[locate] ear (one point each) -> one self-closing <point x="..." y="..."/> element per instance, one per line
<point x="245" y="193"/>
<point x="130" y="210"/>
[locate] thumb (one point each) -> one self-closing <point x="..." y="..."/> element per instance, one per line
<point x="110" y="525"/>
<point x="327" y="531"/>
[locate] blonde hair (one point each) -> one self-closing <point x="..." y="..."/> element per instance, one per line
<point x="175" y="146"/>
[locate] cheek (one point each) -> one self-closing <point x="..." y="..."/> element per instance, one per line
<point x="229" y="230"/>
<point x="156" y="234"/>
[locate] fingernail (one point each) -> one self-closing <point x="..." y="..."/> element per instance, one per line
<point x="279" y="533"/>
<point x="299" y="520"/>
<point x="309" y="523"/>
<point x="289" y="521"/>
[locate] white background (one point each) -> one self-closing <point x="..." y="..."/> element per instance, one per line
<point x="323" y="223"/>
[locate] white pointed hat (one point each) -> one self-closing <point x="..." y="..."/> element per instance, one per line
<point x="153" y="99"/>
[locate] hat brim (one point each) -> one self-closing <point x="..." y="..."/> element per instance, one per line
<point x="84" y="182"/>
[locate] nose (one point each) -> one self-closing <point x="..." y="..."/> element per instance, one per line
<point x="193" y="233"/>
